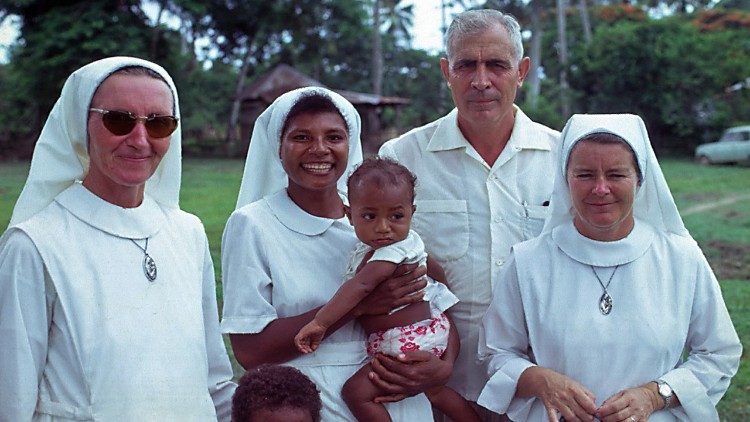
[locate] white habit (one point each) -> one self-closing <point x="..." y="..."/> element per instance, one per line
<point x="86" y="336"/>
<point x="666" y="300"/>
<point x="546" y="313"/>
<point x="279" y="261"/>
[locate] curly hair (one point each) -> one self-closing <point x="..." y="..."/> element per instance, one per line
<point x="381" y="171"/>
<point x="312" y="103"/>
<point x="273" y="387"/>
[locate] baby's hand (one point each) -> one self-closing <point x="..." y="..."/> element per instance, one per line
<point x="309" y="337"/>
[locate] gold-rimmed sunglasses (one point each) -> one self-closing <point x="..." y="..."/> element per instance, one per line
<point x="122" y="122"/>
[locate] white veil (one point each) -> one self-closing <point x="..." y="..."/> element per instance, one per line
<point x="263" y="173"/>
<point x="61" y="152"/>
<point x="653" y="202"/>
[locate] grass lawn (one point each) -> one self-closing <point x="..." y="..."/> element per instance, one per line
<point x="210" y="187"/>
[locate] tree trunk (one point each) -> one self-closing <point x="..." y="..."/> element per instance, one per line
<point x="231" y="136"/>
<point x="562" y="50"/>
<point x="377" y="51"/>
<point x="157" y="29"/>
<point x="535" y="53"/>
<point x="585" y="22"/>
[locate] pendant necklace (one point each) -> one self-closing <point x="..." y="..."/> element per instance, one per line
<point x="605" y="301"/>
<point x="149" y="266"/>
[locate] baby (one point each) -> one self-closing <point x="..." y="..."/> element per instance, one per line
<point x="381" y="205"/>
<point x="275" y="393"/>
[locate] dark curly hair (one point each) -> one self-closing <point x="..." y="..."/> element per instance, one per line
<point x="312" y="103"/>
<point x="273" y="387"/>
<point x="381" y="171"/>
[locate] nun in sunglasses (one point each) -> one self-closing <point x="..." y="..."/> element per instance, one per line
<point x="107" y="292"/>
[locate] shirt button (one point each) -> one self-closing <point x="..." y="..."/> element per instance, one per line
<point x="498" y="219"/>
<point x="499" y="262"/>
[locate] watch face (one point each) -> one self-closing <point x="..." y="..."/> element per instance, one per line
<point x="665" y="390"/>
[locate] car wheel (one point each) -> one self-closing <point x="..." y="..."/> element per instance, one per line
<point x="703" y="160"/>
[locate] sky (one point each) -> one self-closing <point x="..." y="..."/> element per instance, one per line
<point x="426" y="30"/>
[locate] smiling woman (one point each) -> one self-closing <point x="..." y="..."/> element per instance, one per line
<point x="313" y="151"/>
<point x="622" y="274"/>
<point x="122" y="162"/>
<point x="97" y="217"/>
<point x="603" y="177"/>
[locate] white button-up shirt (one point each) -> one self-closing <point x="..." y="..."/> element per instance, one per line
<point x="469" y="214"/>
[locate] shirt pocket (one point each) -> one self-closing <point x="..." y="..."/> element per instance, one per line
<point x="534" y="216"/>
<point x="444" y="227"/>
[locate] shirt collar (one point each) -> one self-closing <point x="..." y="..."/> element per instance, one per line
<point x="448" y="136"/>
<point x="295" y="218"/>
<point x="140" y="222"/>
<point x="604" y="254"/>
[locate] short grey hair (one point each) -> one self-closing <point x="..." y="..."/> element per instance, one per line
<point x="474" y="21"/>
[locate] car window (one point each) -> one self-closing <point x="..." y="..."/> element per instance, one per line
<point x="731" y="136"/>
<point x="745" y="135"/>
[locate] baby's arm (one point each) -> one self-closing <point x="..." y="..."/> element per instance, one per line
<point x="346" y="298"/>
<point x="435" y="271"/>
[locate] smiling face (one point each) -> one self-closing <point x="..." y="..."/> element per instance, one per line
<point x="602" y="178"/>
<point x="314" y="151"/>
<point x="483" y="75"/>
<point x="380" y="213"/>
<point x="120" y="165"/>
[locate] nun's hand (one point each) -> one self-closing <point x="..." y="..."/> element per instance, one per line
<point x="631" y="405"/>
<point x="561" y="395"/>
<point x="403" y="288"/>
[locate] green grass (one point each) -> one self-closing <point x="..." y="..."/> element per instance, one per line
<point x="209" y="190"/>
<point x="735" y="406"/>
<point x="12" y="177"/>
<point x="210" y="187"/>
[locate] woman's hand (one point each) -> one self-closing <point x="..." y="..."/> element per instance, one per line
<point x="401" y="289"/>
<point x="560" y="394"/>
<point x="631" y="405"/>
<point x="409" y="374"/>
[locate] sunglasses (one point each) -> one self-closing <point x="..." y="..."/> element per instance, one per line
<point x="122" y="123"/>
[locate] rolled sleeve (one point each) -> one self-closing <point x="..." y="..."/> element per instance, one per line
<point x="504" y="342"/>
<point x="714" y="351"/>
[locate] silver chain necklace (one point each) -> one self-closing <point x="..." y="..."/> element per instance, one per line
<point x="149" y="265"/>
<point x="605" y="301"/>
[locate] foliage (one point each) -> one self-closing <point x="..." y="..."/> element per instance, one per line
<point x="415" y="74"/>
<point x="668" y="71"/>
<point x="718" y="19"/>
<point x="57" y="39"/>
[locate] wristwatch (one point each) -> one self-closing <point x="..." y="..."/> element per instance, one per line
<point x="665" y="391"/>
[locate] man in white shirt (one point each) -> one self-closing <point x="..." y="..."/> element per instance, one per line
<point x="484" y="174"/>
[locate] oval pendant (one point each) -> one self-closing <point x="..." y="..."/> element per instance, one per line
<point x="605" y="303"/>
<point x="149" y="267"/>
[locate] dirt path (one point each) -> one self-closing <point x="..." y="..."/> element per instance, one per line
<point x="720" y="203"/>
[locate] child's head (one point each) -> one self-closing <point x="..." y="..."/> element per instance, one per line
<point x="273" y="393"/>
<point x="381" y="201"/>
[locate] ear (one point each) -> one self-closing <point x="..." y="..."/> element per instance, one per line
<point x="348" y="213"/>
<point x="445" y="70"/>
<point x="523" y="70"/>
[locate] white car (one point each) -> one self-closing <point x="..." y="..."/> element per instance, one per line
<point x="733" y="147"/>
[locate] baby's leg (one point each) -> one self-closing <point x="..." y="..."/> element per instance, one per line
<point x="359" y="392"/>
<point x="452" y="404"/>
